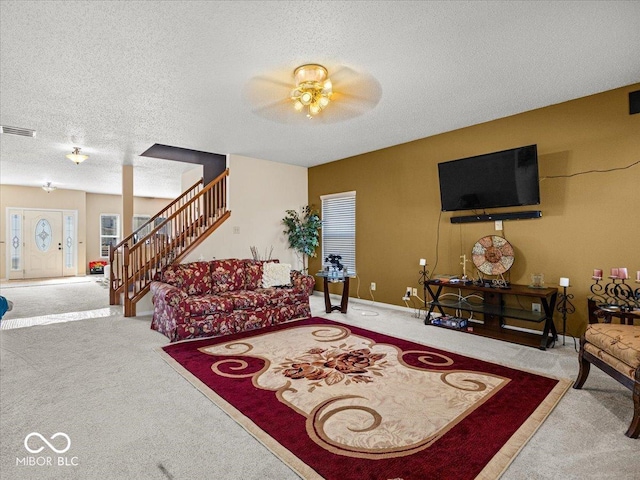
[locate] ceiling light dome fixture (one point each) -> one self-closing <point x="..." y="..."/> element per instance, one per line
<point x="48" y="187"/>
<point x="313" y="89"/>
<point x="76" y="156"/>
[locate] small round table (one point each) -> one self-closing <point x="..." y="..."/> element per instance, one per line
<point x="333" y="276"/>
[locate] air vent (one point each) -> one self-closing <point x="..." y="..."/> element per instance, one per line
<point x="23" y="132"/>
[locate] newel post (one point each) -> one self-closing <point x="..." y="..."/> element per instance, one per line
<point x="112" y="290"/>
<point x="125" y="279"/>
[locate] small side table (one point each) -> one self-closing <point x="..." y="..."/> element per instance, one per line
<point x="335" y="277"/>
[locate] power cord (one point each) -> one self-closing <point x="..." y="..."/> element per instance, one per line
<point x="367" y="313"/>
<point x="433" y="270"/>
<point x="416" y="310"/>
<point x="591" y="171"/>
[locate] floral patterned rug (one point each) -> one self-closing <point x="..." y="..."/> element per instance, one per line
<point x="340" y="402"/>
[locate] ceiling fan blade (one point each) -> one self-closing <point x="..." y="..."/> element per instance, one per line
<point x="361" y="89"/>
<point x="342" y="74"/>
<point x="271" y="105"/>
<point x="357" y="96"/>
<point x="280" y="111"/>
<point x="338" y="112"/>
<point x="261" y="90"/>
<point x="267" y="81"/>
<point x="354" y="93"/>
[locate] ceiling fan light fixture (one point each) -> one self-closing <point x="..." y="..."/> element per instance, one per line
<point x="48" y="187"/>
<point x="77" y="157"/>
<point x="306" y="98"/>
<point x="311" y="72"/>
<point x="313" y="89"/>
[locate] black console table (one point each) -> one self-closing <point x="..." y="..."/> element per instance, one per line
<point x="494" y="311"/>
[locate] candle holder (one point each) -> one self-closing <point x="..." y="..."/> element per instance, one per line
<point x="616" y="293"/>
<point x="424" y="278"/>
<point x="565" y="307"/>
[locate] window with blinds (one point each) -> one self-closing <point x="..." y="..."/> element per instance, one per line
<point x="339" y="228"/>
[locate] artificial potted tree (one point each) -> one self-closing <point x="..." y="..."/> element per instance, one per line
<point x="303" y="232"/>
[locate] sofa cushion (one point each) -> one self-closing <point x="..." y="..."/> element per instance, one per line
<point x="281" y="296"/>
<point x="208" y="304"/>
<point x="276" y="274"/>
<point x="227" y="275"/>
<point x="253" y="273"/>
<point x="194" y="278"/>
<point x="246" y="299"/>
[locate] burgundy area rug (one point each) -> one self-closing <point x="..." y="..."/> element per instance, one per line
<point x="340" y="402"/>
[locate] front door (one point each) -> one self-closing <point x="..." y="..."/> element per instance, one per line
<point x="43" y="250"/>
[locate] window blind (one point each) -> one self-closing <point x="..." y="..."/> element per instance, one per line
<point x="339" y="228"/>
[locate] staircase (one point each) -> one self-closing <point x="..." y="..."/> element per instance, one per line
<point x="177" y="230"/>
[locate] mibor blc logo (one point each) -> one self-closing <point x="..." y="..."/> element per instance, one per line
<point x="35" y="443"/>
<point x="46" y="442"/>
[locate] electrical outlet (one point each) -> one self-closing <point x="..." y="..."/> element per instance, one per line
<point x="372" y="287"/>
<point x="498" y="224"/>
<point x="536" y="307"/>
<point x="414" y="292"/>
<point x="407" y="292"/>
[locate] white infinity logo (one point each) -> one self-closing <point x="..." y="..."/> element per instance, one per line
<point x="36" y="434"/>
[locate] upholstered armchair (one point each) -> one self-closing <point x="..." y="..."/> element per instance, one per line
<point x="614" y="349"/>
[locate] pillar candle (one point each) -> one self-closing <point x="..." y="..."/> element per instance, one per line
<point x="423" y="262"/>
<point x="564" y="282"/>
<point x="638" y="276"/>
<point x="597" y="273"/>
<point x="622" y="272"/>
<point x="614" y="272"/>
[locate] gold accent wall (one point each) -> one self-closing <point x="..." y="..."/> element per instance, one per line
<point x="589" y="221"/>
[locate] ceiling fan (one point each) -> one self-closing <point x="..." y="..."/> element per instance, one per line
<point x="312" y="92"/>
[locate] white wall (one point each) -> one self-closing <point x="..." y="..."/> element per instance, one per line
<point x="260" y="192"/>
<point x="191" y="176"/>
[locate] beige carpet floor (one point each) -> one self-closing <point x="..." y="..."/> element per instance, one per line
<point x="129" y="415"/>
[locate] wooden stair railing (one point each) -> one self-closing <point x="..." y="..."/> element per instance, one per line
<point x="186" y="222"/>
<point x="116" y="252"/>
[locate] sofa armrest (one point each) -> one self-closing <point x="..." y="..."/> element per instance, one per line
<point x="169" y="294"/>
<point x="303" y="282"/>
<point x="169" y="309"/>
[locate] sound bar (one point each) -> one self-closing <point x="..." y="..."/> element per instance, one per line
<point x="497" y="216"/>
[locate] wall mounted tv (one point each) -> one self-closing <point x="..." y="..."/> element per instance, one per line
<point x="501" y="179"/>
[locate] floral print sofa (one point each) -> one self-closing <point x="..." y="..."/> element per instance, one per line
<point x="220" y="297"/>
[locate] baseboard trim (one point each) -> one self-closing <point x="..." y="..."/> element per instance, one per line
<point x="336" y="299"/>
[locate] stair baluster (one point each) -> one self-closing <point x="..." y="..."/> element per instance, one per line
<point x="177" y="229"/>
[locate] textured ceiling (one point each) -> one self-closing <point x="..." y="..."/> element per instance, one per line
<point x="116" y="77"/>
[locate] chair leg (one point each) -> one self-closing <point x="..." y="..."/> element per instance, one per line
<point x="634" y="428"/>
<point x="585" y="367"/>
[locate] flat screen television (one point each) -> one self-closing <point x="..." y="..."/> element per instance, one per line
<point x="502" y="179"/>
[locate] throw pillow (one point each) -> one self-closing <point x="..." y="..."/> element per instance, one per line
<point x="276" y="274"/>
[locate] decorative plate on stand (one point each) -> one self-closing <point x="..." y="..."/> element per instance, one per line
<point x="493" y="255"/>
